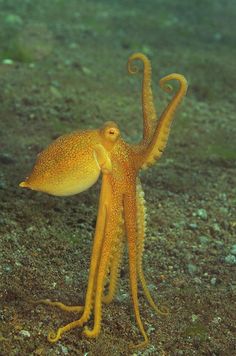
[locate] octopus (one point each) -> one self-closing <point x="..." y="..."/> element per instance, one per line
<point x="74" y="162"/>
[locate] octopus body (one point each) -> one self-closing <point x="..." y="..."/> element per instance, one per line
<point x="74" y="162"/>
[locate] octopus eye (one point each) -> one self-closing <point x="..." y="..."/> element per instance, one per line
<point x="110" y="131"/>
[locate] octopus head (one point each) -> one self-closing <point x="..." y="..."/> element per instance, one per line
<point x="68" y="166"/>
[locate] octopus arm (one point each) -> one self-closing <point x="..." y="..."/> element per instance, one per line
<point x="130" y="213"/>
<point x="149" y="112"/>
<point x="104" y="203"/>
<point x="111" y="235"/>
<point x="161" y="133"/>
<point x="114" y="269"/>
<point x="102" y="158"/>
<point x="141" y="221"/>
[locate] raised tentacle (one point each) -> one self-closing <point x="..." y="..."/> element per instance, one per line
<point x="104" y="201"/>
<point x="149" y="112"/>
<point x="141" y="212"/>
<point x="130" y="213"/>
<point x="160" y="137"/>
<point x="112" y="233"/>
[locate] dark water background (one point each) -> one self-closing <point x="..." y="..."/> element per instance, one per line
<point x="63" y="67"/>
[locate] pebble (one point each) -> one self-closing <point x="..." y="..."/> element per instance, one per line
<point x="2" y="184"/>
<point x="64" y="349"/>
<point x="6" y="158"/>
<point x="193" y="226"/>
<point x="25" y="333"/>
<point x="217" y="36"/>
<point x="217" y="320"/>
<point x="216" y="227"/>
<point x="233" y="250"/>
<point x="192" y="268"/>
<point x="31" y="229"/>
<point x="2" y="220"/>
<point x="7" y="268"/>
<point x="13" y="19"/>
<point x="55" y="92"/>
<point x="150" y="329"/>
<point x="202" y="214"/>
<point x="68" y="280"/>
<point x="194" y="318"/>
<point x="213" y="281"/>
<point x="223" y="197"/>
<point x="1" y="316"/>
<point x="73" y="45"/>
<point x="230" y="259"/>
<point x="203" y="240"/>
<point x="223" y="210"/>
<point x="122" y="297"/>
<point x="39" y="351"/>
<point x="219" y="243"/>
<point x="178" y="282"/>
<point x="197" y="280"/>
<point x="7" y="61"/>
<point x="86" y="70"/>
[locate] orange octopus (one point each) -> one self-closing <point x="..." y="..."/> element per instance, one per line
<point x="73" y="163"/>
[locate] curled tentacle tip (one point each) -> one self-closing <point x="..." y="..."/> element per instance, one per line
<point x="44" y="301"/>
<point x="23" y="185"/>
<point x="39" y="301"/>
<point x="87" y="332"/>
<point x="164" y="311"/>
<point x="53" y="337"/>
<point x="132" y="69"/>
<point x="166" y="87"/>
<point x="141" y="345"/>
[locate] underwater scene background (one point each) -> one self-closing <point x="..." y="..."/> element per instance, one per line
<point x="63" y="68"/>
